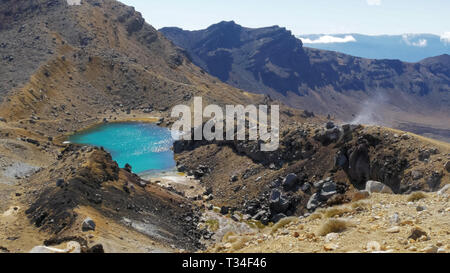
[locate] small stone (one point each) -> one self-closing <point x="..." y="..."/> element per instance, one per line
<point x="412" y="248"/>
<point x="236" y="217"/>
<point x="416" y="233"/>
<point x="331" y="237"/>
<point x="430" y="249"/>
<point x="88" y="224"/>
<point x="393" y="230"/>
<point x="373" y="246"/>
<point x="234" y="178"/>
<point x="395" y="218"/>
<point x="59" y="182"/>
<point x="421" y="208"/>
<point x="441" y="250"/>
<point x="330" y="247"/>
<point x="423" y="238"/>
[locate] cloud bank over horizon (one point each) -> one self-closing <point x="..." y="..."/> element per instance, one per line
<point x="445" y="38"/>
<point x="328" y="39"/>
<point x="409" y="40"/>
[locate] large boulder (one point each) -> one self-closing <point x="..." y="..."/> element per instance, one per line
<point x="375" y="186"/>
<point x="359" y="164"/>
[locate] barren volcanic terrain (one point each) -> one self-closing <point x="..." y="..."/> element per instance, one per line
<point x="70" y="65"/>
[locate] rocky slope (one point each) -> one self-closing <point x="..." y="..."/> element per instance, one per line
<point x="413" y="96"/>
<point x="315" y="166"/>
<point x="382" y="223"/>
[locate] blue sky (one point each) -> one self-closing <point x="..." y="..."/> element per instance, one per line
<point x="303" y="16"/>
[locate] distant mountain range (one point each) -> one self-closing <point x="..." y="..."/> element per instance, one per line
<point x="272" y="61"/>
<point x="406" y="47"/>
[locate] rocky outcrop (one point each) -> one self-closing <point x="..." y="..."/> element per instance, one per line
<point x="100" y="184"/>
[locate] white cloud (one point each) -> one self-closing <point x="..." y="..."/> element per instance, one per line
<point x="327" y="39"/>
<point x="445" y="38"/>
<point x="374" y="2"/>
<point x="74" y="2"/>
<point x="408" y="39"/>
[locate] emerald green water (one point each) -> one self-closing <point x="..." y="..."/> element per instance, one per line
<point x="146" y="147"/>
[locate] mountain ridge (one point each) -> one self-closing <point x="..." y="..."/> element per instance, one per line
<point x="272" y="61"/>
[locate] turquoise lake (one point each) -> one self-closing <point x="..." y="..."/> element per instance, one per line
<point x="146" y="147"/>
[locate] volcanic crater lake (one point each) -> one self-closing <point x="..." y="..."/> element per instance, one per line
<point x="146" y="147"/>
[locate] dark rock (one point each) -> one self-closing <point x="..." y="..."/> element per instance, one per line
<point x="96" y="249"/>
<point x="224" y="210"/>
<point x="329" y="186"/>
<point x="328" y="190"/>
<point x="416" y="233"/>
<point x="416" y="175"/>
<point x="278" y="203"/>
<point x="33" y="141"/>
<point x="330" y="125"/>
<point x="341" y="160"/>
<point x="313" y="202"/>
<point x="424" y="155"/>
<point x="182" y="168"/>
<point x="88" y="224"/>
<point x="420" y="208"/>
<point x="359" y="164"/>
<point x="306" y="187"/>
<point x="277" y="217"/>
<point x="434" y="181"/>
<point x="328" y="136"/>
<point x="59" y="182"/>
<point x="290" y="182"/>
<point x="199" y="173"/>
<point x="128" y="168"/>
